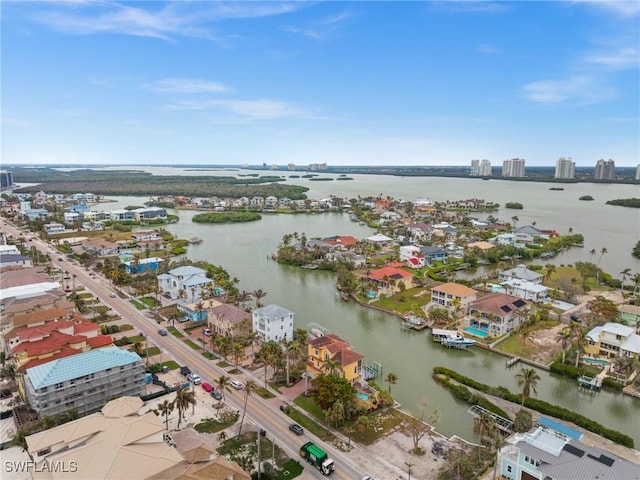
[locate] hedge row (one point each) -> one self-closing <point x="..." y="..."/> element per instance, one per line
<point x="463" y="393"/>
<point x="573" y="372"/>
<point x="542" y="407"/>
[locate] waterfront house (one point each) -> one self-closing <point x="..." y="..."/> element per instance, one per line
<point x="410" y="255"/>
<point x="526" y="290"/>
<point x="185" y="283"/>
<point x="197" y="311"/>
<point x="390" y="278"/>
<point x="529" y="234"/>
<point x="520" y="272"/>
<point x="553" y="451"/>
<point x="379" y="239"/>
<point x="480" y="245"/>
<point x="612" y="340"/>
<point x="629" y="314"/>
<point x="331" y="354"/>
<point x="448" y="294"/>
<point x="504" y="239"/>
<point x="433" y="254"/>
<point x="100" y="247"/>
<point x="273" y="323"/>
<point x="84" y="382"/>
<point x="139" y="265"/>
<point x="497" y="313"/>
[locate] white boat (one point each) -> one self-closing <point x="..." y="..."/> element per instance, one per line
<point x="451" y="339"/>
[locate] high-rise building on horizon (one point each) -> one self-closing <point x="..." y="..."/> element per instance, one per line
<point x="565" y="168"/>
<point x="638" y="172"/>
<point x="605" y="170"/>
<point x="6" y="178"/>
<point x="485" y="168"/>
<point x="513" y="167"/>
<point x="475" y="168"/>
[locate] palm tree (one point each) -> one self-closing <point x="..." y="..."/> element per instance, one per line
<point x="592" y="253"/>
<point x="184" y="398"/>
<point x="484" y="427"/>
<point x="249" y="388"/>
<point x="290" y="347"/>
<point x="331" y="366"/>
<point x="528" y="380"/>
<point x="565" y="338"/>
<point x="259" y="295"/>
<point x="391" y="379"/>
<point x="165" y="408"/>
<point x="626" y="273"/>
<point x="224" y="385"/>
<point x="603" y="252"/>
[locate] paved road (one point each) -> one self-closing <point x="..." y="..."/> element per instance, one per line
<point x="259" y="412"/>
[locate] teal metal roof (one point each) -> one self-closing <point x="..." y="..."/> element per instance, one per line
<point x="76" y="366"/>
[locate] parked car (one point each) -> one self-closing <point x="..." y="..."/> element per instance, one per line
<point x="236" y="384"/>
<point x="208" y="332"/>
<point x="112" y="295"/>
<point x="216" y="394"/>
<point x="207" y="387"/>
<point x="367" y="477"/>
<point x="194" y="378"/>
<point x="263" y="432"/>
<point x="184" y="370"/>
<point x="297" y="429"/>
<point x="183" y="319"/>
<point x="162" y="332"/>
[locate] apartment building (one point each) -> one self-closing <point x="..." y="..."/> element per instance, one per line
<point x="565" y="168"/>
<point x="273" y="323"/>
<point x="84" y="382"/>
<point x="605" y="170"/>
<point x="513" y="168"/>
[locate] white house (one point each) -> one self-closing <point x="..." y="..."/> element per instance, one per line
<point x="186" y="283"/>
<point x="273" y="323"/>
<point x="520" y="272"/>
<point x="526" y="290"/>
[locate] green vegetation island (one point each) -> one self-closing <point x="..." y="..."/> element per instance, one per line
<point x="226" y="217"/>
<point x="587" y="198"/>
<point x="625" y="202"/>
<point x="514" y="205"/>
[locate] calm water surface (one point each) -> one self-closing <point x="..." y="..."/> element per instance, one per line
<point x="244" y="250"/>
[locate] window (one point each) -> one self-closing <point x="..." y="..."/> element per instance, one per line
<point x="509" y="468"/>
<point x="59" y="386"/>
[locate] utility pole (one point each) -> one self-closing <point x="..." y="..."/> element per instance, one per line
<point x="258" y="455"/>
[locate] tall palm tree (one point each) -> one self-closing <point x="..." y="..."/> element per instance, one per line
<point x="165" y="408"/>
<point x="485" y="428"/>
<point x="528" y="380"/>
<point x="249" y="388"/>
<point x="224" y="385"/>
<point x="290" y="348"/>
<point x="565" y="338"/>
<point x="330" y="366"/>
<point x="626" y="273"/>
<point x="184" y="398"/>
<point x="592" y="253"/>
<point x="391" y="379"/>
<point x="603" y="252"/>
<point x="259" y="294"/>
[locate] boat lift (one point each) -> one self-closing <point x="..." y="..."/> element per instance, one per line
<point x="504" y="424"/>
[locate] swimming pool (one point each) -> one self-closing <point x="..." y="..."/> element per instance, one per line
<point x="596" y="361"/>
<point x="476" y="332"/>
<point x="363" y="396"/>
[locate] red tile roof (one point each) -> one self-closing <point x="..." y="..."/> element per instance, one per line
<point x="40" y="316"/>
<point x="390" y="272"/>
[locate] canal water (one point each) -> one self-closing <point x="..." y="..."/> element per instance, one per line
<point x="244" y="251"/>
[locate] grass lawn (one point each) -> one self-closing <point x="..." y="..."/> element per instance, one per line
<point x="403" y="301"/>
<point x="174" y="331"/>
<point x="308" y="404"/>
<point x="382" y="422"/>
<point x="248" y="438"/>
<point x="153" y="351"/>
<point x="126" y="327"/>
<point x="102" y="309"/>
<point x="171" y="365"/>
<point x="209" y="355"/>
<point x="193" y="345"/>
<point x="290" y="469"/>
<point x="211" y="425"/>
<point x="223" y="364"/>
<point x="149" y="302"/>
<point x="135" y="339"/>
<point x="515" y="345"/>
<point x="137" y="304"/>
<point x="264" y="393"/>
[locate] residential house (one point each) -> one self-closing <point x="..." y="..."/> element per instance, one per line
<point x="198" y="311"/>
<point x="629" y="314"/>
<point x="332" y="354"/>
<point x="84" y="382"/>
<point x="553" y="451"/>
<point x="71" y="218"/>
<point x="504" y="239"/>
<point x="520" y="272"/>
<point x="186" y="283"/>
<point x="433" y="254"/>
<point x="273" y="323"/>
<point x="15" y="260"/>
<point x="411" y="256"/>
<point x="142" y="264"/>
<point x="100" y="247"/>
<point x="54" y="228"/>
<point x="526" y="290"/>
<point x="229" y="320"/>
<point x="36" y="213"/>
<point x="389" y="279"/>
<point x="79" y="208"/>
<point x="497" y="313"/>
<point x="452" y="295"/>
<point x="612" y="340"/>
<point x="418" y="231"/>
<point x="481" y="245"/>
<point x="389" y="217"/>
<point x="341" y="242"/>
<point x="529" y="234"/>
<point x="379" y="239"/>
<point x="114" y="443"/>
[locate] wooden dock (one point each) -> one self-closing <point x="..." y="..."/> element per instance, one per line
<point x="512" y="361"/>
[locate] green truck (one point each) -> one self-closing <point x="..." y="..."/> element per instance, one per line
<point x="317" y="457"/>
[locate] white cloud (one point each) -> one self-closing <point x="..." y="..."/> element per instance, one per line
<point x="176" y="18"/>
<point x="187" y="85"/>
<point x="576" y="90"/>
<point x="622" y="58"/>
<point x="625" y="8"/>
<point x="248" y="109"/>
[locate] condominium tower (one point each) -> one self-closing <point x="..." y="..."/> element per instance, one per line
<point x="565" y="168"/>
<point x="513" y="167"/>
<point x="480" y="168"/>
<point x="605" y="170"/>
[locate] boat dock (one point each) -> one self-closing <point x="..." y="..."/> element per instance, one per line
<point x="593" y="384"/>
<point x="512" y="361"/>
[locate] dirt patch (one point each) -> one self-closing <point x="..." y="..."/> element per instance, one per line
<point x="547" y="347"/>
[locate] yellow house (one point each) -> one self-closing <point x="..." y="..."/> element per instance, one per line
<point x="331" y="354"/>
<point x="611" y="340"/>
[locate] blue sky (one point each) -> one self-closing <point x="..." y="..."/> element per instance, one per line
<point x="346" y="83"/>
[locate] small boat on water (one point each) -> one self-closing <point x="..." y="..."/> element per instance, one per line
<point x="316" y="333"/>
<point x="309" y="266"/>
<point x="451" y="339"/>
<point x="195" y="240"/>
